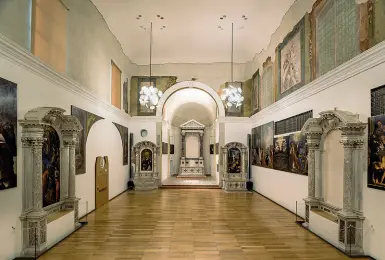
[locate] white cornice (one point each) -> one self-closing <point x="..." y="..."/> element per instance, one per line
<point x="233" y="119"/>
<point x="155" y="119"/>
<point x="362" y="62"/>
<point x="23" y="58"/>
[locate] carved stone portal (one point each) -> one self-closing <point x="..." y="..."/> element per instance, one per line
<point x="350" y="217"/>
<point x="235" y="163"/>
<point x="33" y="215"/>
<point x="144" y="155"/>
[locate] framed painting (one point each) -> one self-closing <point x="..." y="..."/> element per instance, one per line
<point x="164" y="148"/>
<point x="146" y="160"/>
<point x="211" y="148"/>
<point x="255" y="93"/>
<point x="217" y="148"/>
<point x="376" y="152"/>
<point x="281" y="153"/>
<point x="234" y="160"/>
<point x="267" y="145"/>
<point x="50" y="166"/>
<point x="8" y="134"/>
<point x="87" y="120"/>
<point x="266" y="90"/>
<point x="123" y="131"/>
<point x="125" y="96"/>
<point x="172" y="149"/>
<point x="256" y="146"/>
<point x="291" y="61"/>
<point x="298" y="154"/>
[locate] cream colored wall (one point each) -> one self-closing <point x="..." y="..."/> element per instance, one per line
<point x="333" y="169"/>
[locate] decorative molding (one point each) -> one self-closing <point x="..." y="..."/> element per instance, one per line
<point x="154" y="119"/>
<point x="245" y="120"/>
<point x="20" y="56"/>
<point x="361" y="63"/>
<point x="192" y="124"/>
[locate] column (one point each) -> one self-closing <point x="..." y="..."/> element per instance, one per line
<point x="183" y="144"/>
<point x="201" y="144"/>
<point x="313" y="142"/>
<point x="244" y="162"/>
<point x="64" y="169"/>
<point x="71" y="170"/>
<point x="224" y="173"/>
<point x="318" y="175"/>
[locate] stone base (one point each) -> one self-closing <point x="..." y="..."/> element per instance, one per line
<point x="146" y="184"/>
<point x="234" y="185"/>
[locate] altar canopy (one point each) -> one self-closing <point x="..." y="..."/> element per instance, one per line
<point x="192" y="162"/>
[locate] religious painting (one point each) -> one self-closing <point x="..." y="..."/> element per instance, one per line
<point x="267" y="145"/>
<point x="234" y="160"/>
<point x="146" y="160"/>
<point x="123" y="131"/>
<point x="281" y="153"/>
<point x="172" y="147"/>
<point x="51" y="166"/>
<point x="217" y="148"/>
<point x="291" y="57"/>
<point x="211" y="148"/>
<point x="125" y="96"/>
<point x="87" y="120"/>
<point x="256" y="144"/>
<point x="376" y="152"/>
<point x="8" y="133"/>
<point x="298" y="154"/>
<point x="255" y="94"/>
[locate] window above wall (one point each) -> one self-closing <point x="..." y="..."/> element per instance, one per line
<point x="49" y="33"/>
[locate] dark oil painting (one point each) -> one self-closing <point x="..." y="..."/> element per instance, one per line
<point x="87" y="120"/>
<point x="267" y="145"/>
<point x="256" y="140"/>
<point x="216" y="148"/>
<point x="211" y="148"/>
<point x="146" y="160"/>
<point x="234" y="160"/>
<point x="298" y="153"/>
<point x="172" y="147"/>
<point x="281" y="153"/>
<point x="8" y="133"/>
<point x="125" y="96"/>
<point x="164" y="148"/>
<point x="376" y="152"/>
<point x="123" y="131"/>
<point x="51" y="166"/>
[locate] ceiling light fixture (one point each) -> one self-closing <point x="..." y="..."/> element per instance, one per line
<point x="150" y="95"/>
<point x="231" y="95"/>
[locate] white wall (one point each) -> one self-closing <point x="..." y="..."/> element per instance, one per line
<point x="237" y="131"/>
<point x="352" y="94"/>
<point x="36" y="90"/>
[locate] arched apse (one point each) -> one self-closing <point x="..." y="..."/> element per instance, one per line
<point x="191" y="84"/>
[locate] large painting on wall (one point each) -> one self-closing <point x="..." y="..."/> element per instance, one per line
<point x="87" y="120"/>
<point x="125" y="96"/>
<point x="256" y="140"/>
<point x="123" y="131"/>
<point x="255" y="94"/>
<point x="146" y="160"/>
<point x="8" y="133"/>
<point x="376" y="152"/>
<point x="263" y="145"/>
<point x="281" y="153"/>
<point x="291" y="61"/>
<point x="51" y="166"/>
<point x="298" y="154"/>
<point x="234" y="160"/>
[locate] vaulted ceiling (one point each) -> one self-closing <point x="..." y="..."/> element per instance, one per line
<point x="192" y="31"/>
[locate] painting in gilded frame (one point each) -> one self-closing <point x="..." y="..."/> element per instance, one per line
<point x="8" y="134"/>
<point x="87" y="120"/>
<point x="376" y="152"/>
<point x="50" y="166"/>
<point x="123" y="131"/>
<point x="125" y="96"/>
<point x="234" y="160"/>
<point x="255" y="94"/>
<point x="281" y="153"/>
<point x="298" y="154"/>
<point x="263" y="145"/>
<point x="291" y="61"/>
<point x="146" y="163"/>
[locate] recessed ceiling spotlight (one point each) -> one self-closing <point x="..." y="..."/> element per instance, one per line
<point x="158" y="15"/>
<point x="221" y="18"/>
<point x="139" y="15"/>
<point x="243" y="16"/>
<point x="224" y="16"/>
<point x="137" y="18"/>
<point x="162" y="18"/>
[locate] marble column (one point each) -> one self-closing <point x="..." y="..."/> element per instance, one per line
<point x="200" y="144"/>
<point x="313" y="143"/>
<point x="224" y="173"/>
<point x="244" y="162"/>
<point x="183" y="144"/>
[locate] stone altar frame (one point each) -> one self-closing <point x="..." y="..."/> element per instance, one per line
<point x="235" y="181"/>
<point x="350" y="217"/>
<point x="145" y="180"/>
<point x="33" y="215"/>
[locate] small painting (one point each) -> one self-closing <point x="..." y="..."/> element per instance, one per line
<point x="123" y="131"/>
<point x="172" y="149"/>
<point x="164" y="148"/>
<point x="255" y="95"/>
<point x="256" y="141"/>
<point x="267" y="145"/>
<point x="211" y="148"/>
<point x="376" y="152"/>
<point x="216" y="148"/>
<point x="298" y="153"/>
<point x="8" y="133"/>
<point x="87" y="120"/>
<point x="234" y="160"/>
<point x="125" y="96"/>
<point x="51" y="166"/>
<point x="146" y="160"/>
<point x="281" y="153"/>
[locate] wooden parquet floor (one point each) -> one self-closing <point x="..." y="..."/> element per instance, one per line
<point x="191" y="225"/>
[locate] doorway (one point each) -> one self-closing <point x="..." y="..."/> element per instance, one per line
<point x="101" y="181"/>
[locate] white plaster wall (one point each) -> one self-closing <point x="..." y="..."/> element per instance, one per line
<point x="35" y="91"/>
<point x="286" y="188"/>
<point x="333" y="169"/>
<point x="137" y="124"/>
<point x="237" y="131"/>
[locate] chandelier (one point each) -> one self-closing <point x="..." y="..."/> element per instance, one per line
<point x="150" y="95"/>
<point x="232" y="96"/>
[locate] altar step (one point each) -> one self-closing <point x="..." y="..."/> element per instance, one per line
<point x="190" y="187"/>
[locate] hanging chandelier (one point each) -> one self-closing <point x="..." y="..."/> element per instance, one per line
<point x="232" y="96"/>
<point x="150" y="95"/>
